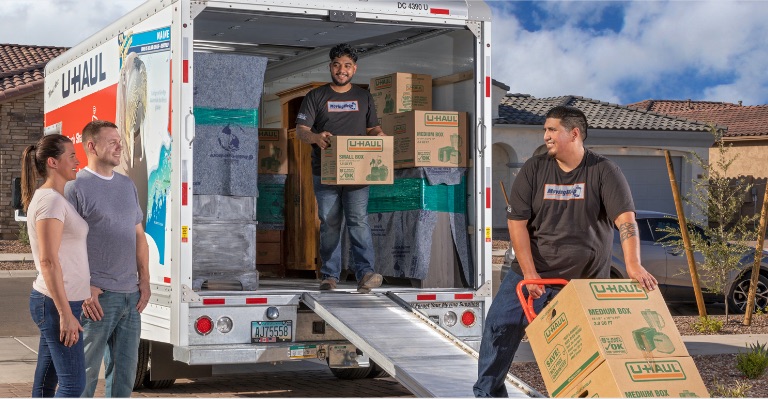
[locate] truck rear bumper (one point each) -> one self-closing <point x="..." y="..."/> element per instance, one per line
<point x="258" y="353"/>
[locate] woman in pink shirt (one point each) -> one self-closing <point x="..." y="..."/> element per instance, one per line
<point x="57" y="235"/>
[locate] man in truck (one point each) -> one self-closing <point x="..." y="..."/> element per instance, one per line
<point x="561" y="213"/>
<point x="340" y="108"/>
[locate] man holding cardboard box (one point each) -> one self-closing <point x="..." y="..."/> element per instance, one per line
<point x="340" y="108"/>
<point x="561" y="213"/>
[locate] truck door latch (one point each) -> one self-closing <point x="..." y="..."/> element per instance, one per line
<point x="342" y="16"/>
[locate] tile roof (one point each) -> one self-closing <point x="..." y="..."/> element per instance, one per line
<point x="525" y="109"/>
<point x="22" y="68"/>
<point x="742" y="121"/>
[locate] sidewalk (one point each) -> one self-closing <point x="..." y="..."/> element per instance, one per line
<point x="17" y="273"/>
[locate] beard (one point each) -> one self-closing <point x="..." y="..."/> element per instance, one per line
<point x="339" y="83"/>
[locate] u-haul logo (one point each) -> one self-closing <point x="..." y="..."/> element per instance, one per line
<point x="414" y="88"/>
<point x="269" y="134"/>
<point x="436" y="119"/>
<point x="365" y="145"/>
<point x="382" y="83"/>
<point x="613" y="291"/>
<point x="81" y="76"/>
<point x="400" y="128"/>
<point x="666" y="370"/>
<point x="557" y="326"/>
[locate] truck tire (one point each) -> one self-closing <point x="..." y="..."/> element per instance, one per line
<point x="159" y="384"/>
<point x="376" y="371"/>
<point x="143" y="364"/>
<point x="353" y="373"/>
<point x="737" y="297"/>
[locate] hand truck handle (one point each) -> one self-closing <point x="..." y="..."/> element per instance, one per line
<point x="528" y="304"/>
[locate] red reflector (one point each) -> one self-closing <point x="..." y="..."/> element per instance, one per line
<point x="426" y="297"/>
<point x="441" y="11"/>
<point x="167" y="280"/>
<point x="463" y="296"/>
<point x="185" y="71"/>
<point x="254" y="301"/>
<point x="488" y="197"/>
<point x="487" y="86"/>
<point x="204" y="325"/>
<point x="468" y="318"/>
<point x="184" y="189"/>
<point x="213" y="301"/>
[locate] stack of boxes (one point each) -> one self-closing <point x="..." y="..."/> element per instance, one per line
<point x="611" y="338"/>
<point x="270" y="210"/>
<point x="429" y="152"/>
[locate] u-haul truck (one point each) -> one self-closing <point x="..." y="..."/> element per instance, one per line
<point x="140" y="71"/>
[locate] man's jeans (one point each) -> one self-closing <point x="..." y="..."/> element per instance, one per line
<point x="503" y="331"/>
<point x="56" y="363"/>
<point x="115" y="338"/>
<point x="349" y="204"/>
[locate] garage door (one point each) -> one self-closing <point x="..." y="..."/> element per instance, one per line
<point x="649" y="181"/>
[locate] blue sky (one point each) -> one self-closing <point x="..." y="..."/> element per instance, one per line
<point x="620" y="52"/>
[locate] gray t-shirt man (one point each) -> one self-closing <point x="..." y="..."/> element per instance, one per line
<point x="111" y="208"/>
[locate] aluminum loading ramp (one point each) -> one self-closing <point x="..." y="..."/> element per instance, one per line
<point x="416" y="354"/>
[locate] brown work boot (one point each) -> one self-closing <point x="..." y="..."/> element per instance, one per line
<point x="328" y="284"/>
<point x="370" y="281"/>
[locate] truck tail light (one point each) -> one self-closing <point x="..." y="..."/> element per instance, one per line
<point x="449" y="319"/>
<point x="468" y="318"/>
<point x="203" y="325"/>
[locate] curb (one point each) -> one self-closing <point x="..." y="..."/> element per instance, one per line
<point x="17" y="273"/>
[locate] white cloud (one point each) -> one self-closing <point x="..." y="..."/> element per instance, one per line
<point x="704" y="50"/>
<point x="57" y="22"/>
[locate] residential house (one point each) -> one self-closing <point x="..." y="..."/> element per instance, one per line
<point x="634" y="139"/>
<point x="21" y="116"/>
<point x="747" y="136"/>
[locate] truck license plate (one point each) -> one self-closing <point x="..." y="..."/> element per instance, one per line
<point x="271" y="331"/>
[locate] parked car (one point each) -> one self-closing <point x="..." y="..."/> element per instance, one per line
<point x="670" y="266"/>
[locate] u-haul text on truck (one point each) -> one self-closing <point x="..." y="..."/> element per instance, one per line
<point x="233" y="253"/>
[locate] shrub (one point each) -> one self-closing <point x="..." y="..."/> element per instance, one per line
<point x="754" y="362"/>
<point x="708" y="325"/>
<point x="738" y="390"/>
<point x="23" y="234"/>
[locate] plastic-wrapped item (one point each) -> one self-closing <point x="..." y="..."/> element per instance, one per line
<point x="223" y="207"/>
<point x="270" y="210"/>
<point x="224" y="251"/>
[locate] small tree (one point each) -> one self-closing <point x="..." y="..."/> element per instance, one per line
<point x="718" y="228"/>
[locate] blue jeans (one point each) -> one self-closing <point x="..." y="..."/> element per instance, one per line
<point x="504" y="329"/>
<point x="115" y="338"/>
<point x="56" y="363"/>
<point x="349" y="204"/>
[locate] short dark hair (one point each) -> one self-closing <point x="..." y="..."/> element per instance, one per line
<point x="92" y="129"/>
<point x="570" y="117"/>
<point x="341" y="50"/>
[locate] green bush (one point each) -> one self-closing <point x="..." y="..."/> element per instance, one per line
<point x="738" y="390"/>
<point x="708" y="324"/>
<point x="754" y="362"/>
<point x="23" y="234"/>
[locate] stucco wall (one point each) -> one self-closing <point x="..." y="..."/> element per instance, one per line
<point x="21" y="124"/>
<point x="751" y="162"/>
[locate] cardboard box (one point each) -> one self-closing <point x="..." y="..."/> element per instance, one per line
<point x="357" y="160"/>
<point x="273" y="151"/>
<point x="593" y="320"/>
<point x="672" y="377"/>
<point x="428" y="138"/>
<point x="401" y="92"/>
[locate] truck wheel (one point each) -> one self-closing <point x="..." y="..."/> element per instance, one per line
<point x="376" y="371"/>
<point x="159" y="384"/>
<point x="143" y="364"/>
<point x="737" y="298"/>
<point x="353" y="373"/>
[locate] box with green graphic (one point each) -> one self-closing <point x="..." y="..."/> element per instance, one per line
<point x="273" y="151"/>
<point x="401" y="92"/>
<point x="672" y="377"/>
<point x="428" y="138"/>
<point x="593" y="320"/>
<point x="357" y="160"/>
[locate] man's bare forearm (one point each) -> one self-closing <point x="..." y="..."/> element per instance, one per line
<point x="305" y="134"/>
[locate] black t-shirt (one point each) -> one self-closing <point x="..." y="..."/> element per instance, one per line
<point x="570" y="215"/>
<point x="343" y="114"/>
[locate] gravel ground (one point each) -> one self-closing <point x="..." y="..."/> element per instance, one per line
<point x="714" y="369"/>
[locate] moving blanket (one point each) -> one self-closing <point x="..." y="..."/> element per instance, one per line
<point x="227" y="93"/>
<point x="403" y="216"/>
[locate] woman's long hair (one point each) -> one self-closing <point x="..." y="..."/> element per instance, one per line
<point x="34" y="160"/>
